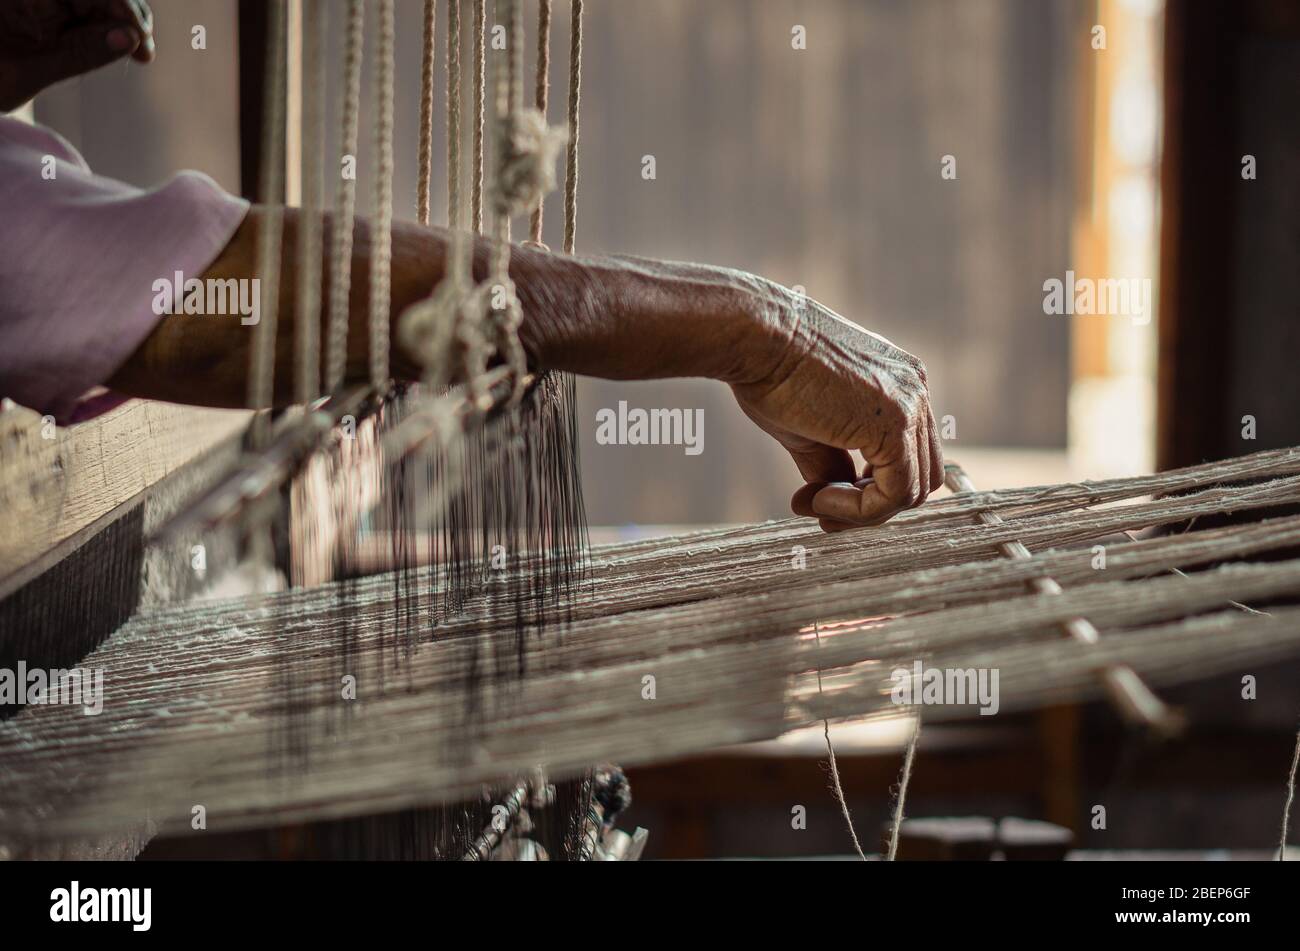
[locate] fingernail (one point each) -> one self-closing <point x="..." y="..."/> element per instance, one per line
<point x="121" y="39"/>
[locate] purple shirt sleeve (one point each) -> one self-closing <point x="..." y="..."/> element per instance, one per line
<point x="79" y="255"/>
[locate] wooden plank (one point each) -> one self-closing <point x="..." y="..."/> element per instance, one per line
<point x="55" y="483"/>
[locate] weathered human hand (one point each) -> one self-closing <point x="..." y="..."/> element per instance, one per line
<point x="832" y="387"/>
<point x="818" y="383"/>
<point x="45" y="41"/>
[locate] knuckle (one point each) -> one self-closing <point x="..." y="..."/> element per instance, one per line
<point x="909" y="495"/>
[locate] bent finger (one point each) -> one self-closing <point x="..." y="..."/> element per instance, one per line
<point x="895" y="486"/>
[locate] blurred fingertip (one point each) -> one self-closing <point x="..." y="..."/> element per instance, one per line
<point x="838" y="500"/>
<point x="801" y="501"/>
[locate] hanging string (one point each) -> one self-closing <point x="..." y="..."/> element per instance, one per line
<point x="345" y="203"/>
<point x="542" y="92"/>
<point x="487" y="318"/>
<point x="903" y="782"/>
<point x="429" y="327"/>
<point x="459" y="264"/>
<point x="480" y="111"/>
<point x="381" y="238"/>
<point x="1290" y="799"/>
<point x="261" y="377"/>
<point x="525" y="152"/>
<point x="575" y="98"/>
<point x="425" y="186"/>
<point x="310" y="239"/>
<point x="837" y="788"/>
<point x="453" y="115"/>
<point x="503" y="304"/>
<point x="448" y="314"/>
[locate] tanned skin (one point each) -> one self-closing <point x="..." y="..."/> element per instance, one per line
<point x="816" y="382"/>
<point x="819" y="384"/>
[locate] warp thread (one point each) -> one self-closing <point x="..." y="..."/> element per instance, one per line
<point x="904" y="780"/>
<point x="1290" y="799"/>
<point x="837" y="788"/>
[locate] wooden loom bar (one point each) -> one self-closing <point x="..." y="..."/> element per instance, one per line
<point x="1130" y="695"/>
<point x="258" y="475"/>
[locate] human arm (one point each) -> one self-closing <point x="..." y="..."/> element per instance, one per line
<point x="816" y="382"/>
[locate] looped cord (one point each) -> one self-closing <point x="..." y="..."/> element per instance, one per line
<point x="427" y="330"/>
<point x="461" y="326"/>
<point x="472" y="326"/>
<point x="528" y="152"/>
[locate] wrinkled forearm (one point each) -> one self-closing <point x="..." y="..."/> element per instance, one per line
<point x="609" y="317"/>
<point x="636" y="319"/>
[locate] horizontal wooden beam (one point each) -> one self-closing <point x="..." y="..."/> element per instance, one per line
<point x="60" y="486"/>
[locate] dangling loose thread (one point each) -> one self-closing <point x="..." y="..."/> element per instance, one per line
<point x="1290" y="799"/>
<point x="903" y="782"/>
<point x="836" y="786"/>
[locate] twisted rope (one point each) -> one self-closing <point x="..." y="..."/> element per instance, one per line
<point x="453" y="115"/>
<point x="542" y="92"/>
<point x="488" y="317"/>
<point x="345" y="201"/>
<point x="428" y="327"/>
<point x="526" y="150"/>
<point x="424" y="189"/>
<point x="575" y="99"/>
<point x="381" y="239"/>
<point x="480" y="110"/>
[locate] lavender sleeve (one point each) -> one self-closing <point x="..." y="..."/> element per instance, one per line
<point x="79" y="255"/>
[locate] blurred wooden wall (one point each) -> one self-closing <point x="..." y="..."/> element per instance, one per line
<point x="821" y="167"/>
